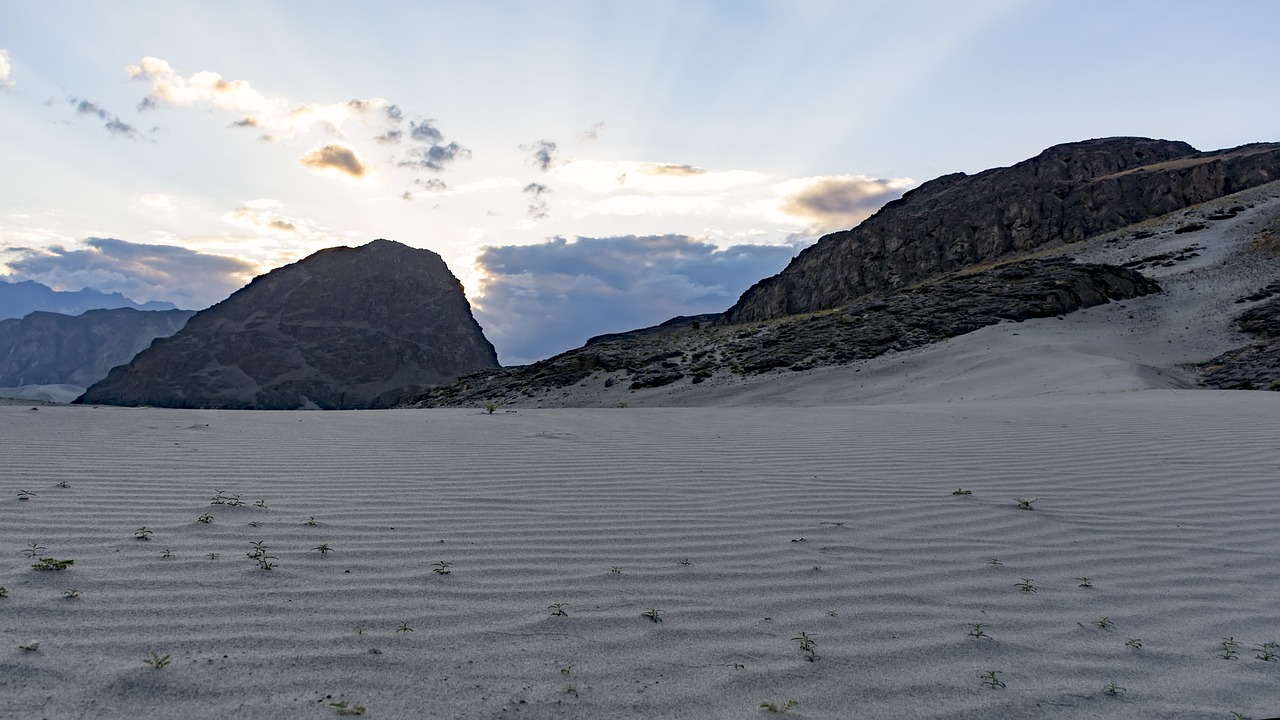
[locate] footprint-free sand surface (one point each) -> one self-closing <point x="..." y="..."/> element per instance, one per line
<point x="740" y="529"/>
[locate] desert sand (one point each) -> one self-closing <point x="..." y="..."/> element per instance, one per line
<point x="795" y="541"/>
<point x="743" y="528"/>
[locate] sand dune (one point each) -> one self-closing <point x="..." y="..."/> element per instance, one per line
<point x="742" y="527"/>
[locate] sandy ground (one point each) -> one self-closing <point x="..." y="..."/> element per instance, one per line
<point x="691" y="548"/>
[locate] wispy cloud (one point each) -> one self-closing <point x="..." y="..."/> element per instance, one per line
<point x="185" y="277"/>
<point x="837" y="202"/>
<point x="537" y="205"/>
<point x="5" y="69"/>
<point x="593" y="133"/>
<point x="434" y="157"/>
<point x="112" y="123"/>
<point x="337" y="156"/>
<point x="537" y="300"/>
<point x="541" y="154"/>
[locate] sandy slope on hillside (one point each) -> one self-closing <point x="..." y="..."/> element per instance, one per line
<point x="1143" y="343"/>
<point x="741" y="528"/>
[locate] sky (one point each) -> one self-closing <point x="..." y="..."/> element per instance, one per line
<point x="582" y="166"/>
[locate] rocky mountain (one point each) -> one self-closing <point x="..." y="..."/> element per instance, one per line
<point x="19" y="299"/>
<point x="47" y="348"/>
<point x="343" y="328"/>
<point x="1066" y="194"/>
<point x="1255" y="366"/>
<point x="698" y="348"/>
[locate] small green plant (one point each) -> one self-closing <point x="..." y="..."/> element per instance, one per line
<point x="323" y="549"/>
<point x="25" y="494"/>
<point x="961" y="491"/>
<point x="979" y="630"/>
<point x="205" y="518"/>
<point x="571" y="690"/>
<point x="360" y="629"/>
<point x="1085" y="582"/>
<point x="490" y="407"/>
<point x="258" y="553"/>
<point x="1026" y="586"/>
<point x="616" y="569"/>
<point x="1113" y="689"/>
<point x="33" y="549"/>
<point x="166" y="554"/>
<point x="404" y="627"/>
<point x="686" y="562"/>
<point x="1025" y="504"/>
<point x="214" y="556"/>
<point x="1104" y="623"/>
<point x="261" y="503"/>
<point x="1266" y="651"/>
<point x="48" y="563"/>
<point x="807" y="646"/>
<point x="157" y="660"/>
<point x="4" y="592"/>
<point x="622" y="404"/>
<point x="345" y="708"/>
<point x="64" y="485"/>
<point x="142" y="533"/>
<point x="994" y="561"/>
<point x="566" y="669"/>
<point x="653" y="614"/>
<point x="1229" y="649"/>
<point x="235" y="501"/>
<point x="442" y="568"/>
<point x="558" y="609"/>
<point x="1135" y="643"/>
<point x="991" y="679"/>
<point x="311" y="522"/>
<point x="779" y="707"/>
<point x="71" y="593"/>
<point x="254" y="524"/>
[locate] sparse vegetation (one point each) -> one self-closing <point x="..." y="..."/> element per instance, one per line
<point x="961" y="491"/>
<point x="979" y="630"/>
<point x="1113" y="689"/>
<point x="261" y="503"/>
<point x="558" y="609"/>
<point x="490" y="407"/>
<point x="991" y="679"/>
<point x="205" y="518"/>
<point x="4" y="592"/>
<point x="1026" y="586"/>
<point x="442" y="568"/>
<point x="311" y="522"/>
<point x="48" y="563"/>
<point x="1266" y="651"/>
<point x="157" y="660"/>
<point x="779" y="707"/>
<point x="323" y="549"/>
<point x="1229" y="649"/>
<point x="1104" y="623"/>
<point x="616" y="569"/>
<point x="653" y="614"/>
<point x="1135" y="643"/>
<point x="142" y="533"/>
<point x="1025" y="504"/>
<point x="166" y="554"/>
<point x="1085" y="582"/>
<point x="25" y="494"/>
<point x="71" y="593"/>
<point x="807" y="646"/>
<point x="404" y="627"/>
<point x="33" y="549"/>
<point x="258" y="553"/>
<point x="345" y="708"/>
<point x="994" y="561"/>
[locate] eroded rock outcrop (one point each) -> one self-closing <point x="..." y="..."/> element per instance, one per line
<point x="1065" y="194"/>
<point x="46" y="348"/>
<point x="343" y="328"/>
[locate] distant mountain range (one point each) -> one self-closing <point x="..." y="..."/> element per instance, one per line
<point x="19" y="299"/>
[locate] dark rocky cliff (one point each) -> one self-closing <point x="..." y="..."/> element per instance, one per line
<point x="343" y="328"/>
<point x="1065" y="194"/>
<point x="47" y="348"/>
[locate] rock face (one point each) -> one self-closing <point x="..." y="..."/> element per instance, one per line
<point x="47" y="348"/>
<point x="344" y="328"/>
<point x="696" y="348"/>
<point x="1256" y="366"/>
<point x="19" y="299"/>
<point x="1066" y="194"/>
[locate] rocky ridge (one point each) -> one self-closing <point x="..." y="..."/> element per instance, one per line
<point x="698" y="348"/>
<point x="47" y="348"/>
<point x="343" y="328"/>
<point x="1066" y="194"/>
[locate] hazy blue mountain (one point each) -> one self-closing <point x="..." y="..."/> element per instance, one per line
<point x="19" y="299"/>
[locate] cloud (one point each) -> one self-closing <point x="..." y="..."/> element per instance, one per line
<point x="837" y="202"/>
<point x="541" y="154"/>
<point x="593" y="133"/>
<point x="337" y="156"/>
<point x="5" y="68"/>
<point x="432" y="185"/>
<point x="608" y="176"/>
<point x="425" y="132"/>
<point x="538" y="300"/>
<point x="184" y="277"/>
<point x="537" y="206"/>
<point x="670" y="169"/>
<point x="280" y="116"/>
<point x="434" y="157"/>
<point x="390" y="137"/>
<point x="113" y="125"/>
<point x="264" y="218"/>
